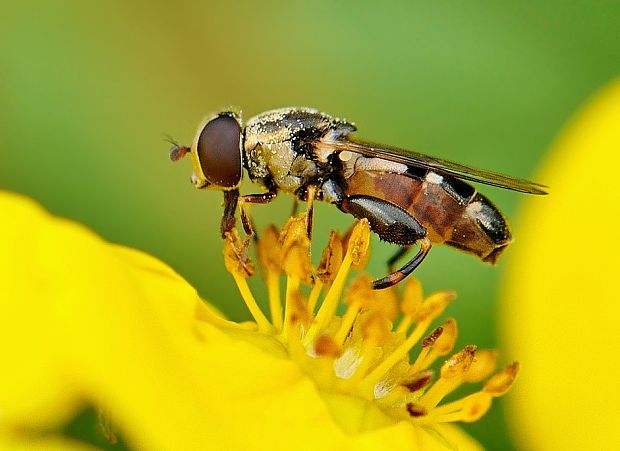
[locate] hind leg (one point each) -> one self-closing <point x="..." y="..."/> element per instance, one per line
<point x="408" y="268"/>
<point x="392" y="224"/>
<point x="400" y="253"/>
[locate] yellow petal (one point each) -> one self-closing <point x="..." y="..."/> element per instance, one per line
<point x="13" y="443"/>
<point x="85" y="322"/>
<point x="561" y="301"/>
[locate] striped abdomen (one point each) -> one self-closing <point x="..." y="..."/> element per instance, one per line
<point x="452" y="211"/>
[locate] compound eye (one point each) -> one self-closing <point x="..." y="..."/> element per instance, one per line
<point x="218" y="151"/>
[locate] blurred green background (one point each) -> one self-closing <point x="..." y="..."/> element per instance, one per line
<point x="88" y="91"/>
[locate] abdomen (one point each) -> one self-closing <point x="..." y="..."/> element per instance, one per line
<point x="452" y="211"/>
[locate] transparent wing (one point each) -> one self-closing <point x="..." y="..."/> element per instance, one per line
<point x="438" y="165"/>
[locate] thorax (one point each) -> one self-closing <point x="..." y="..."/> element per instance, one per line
<point x="279" y="146"/>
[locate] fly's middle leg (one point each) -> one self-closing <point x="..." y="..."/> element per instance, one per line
<point x="311" y="195"/>
<point x="246" y="220"/>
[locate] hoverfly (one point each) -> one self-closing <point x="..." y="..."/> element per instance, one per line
<point x="407" y="197"/>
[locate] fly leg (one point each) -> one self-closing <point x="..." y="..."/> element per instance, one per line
<point x="231" y="200"/>
<point x="408" y="268"/>
<point x="294" y="208"/>
<point x="394" y="225"/>
<point x="311" y="194"/>
<point x="400" y="253"/>
<point x="260" y="198"/>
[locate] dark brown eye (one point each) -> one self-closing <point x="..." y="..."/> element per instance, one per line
<point x="219" y="153"/>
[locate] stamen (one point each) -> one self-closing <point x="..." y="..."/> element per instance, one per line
<point x="459" y="363"/>
<point x="501" y="382"/>
<point x="412" y="301"/>
<point x="357" y="241"/>
<point x="427" y="346"/>
<point x="296" y="249"/>
<point x="358" y="295"/>
<point x="442" y="345"/>
<point x="375" y="331"/>
<point x="418" y="381"/>
<point x="270" y="256"/>
<point x="325" y="346"/>
<point x="401" y="352"/>
<point x="452" y="372"/>
<point x="331" y="259"/>
<point x="416" y="410"/>
<point x="314" y="296"/>
<point x="432" y="307"/>
<point x="239" y="265"/>
<point x="291" y="310"/>
<point x="250" y="302"/>
<point x="468" y="409"/>
<point x="275" y="304"/>
<point x="357" y="248"/>
<point x="296" y="349"/>
<point x="482" y="367"/>
<point x="476" y="405"/>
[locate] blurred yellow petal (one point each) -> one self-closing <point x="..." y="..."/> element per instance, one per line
<point x="79" y="323"/>
<point x="560" y="305"/>
<point x="14" y="442"/>
<point x="87" y="323"/>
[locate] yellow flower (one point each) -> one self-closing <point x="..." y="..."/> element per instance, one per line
<point x="87" y="323"/>
<point x="561" y="307"/>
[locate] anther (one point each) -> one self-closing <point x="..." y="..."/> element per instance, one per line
<point x="434" y="305"/>
<point x="325" y="346"/>
<point x="501" y="382"/>
<point x="357" y="241"/>
<point x="475" y="406"/>
<point x="416" y="410"/>
<point x="236" y="257"/>
<point x="418" y="381"/>
<point x="459" y="363"/>
<point x="331" y="259"/>
<point x="445" y="343"/>
<point x="430" y="340"/>
<point x="483" y="365"/>
<point x="412" y="297"/>
<point x="376" y="329"/>
<point x="296" y="249"/>
<point x="270" y="250"/>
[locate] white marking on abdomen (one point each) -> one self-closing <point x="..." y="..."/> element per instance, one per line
<point x="433" y="177"/>
<point x="379" y="164"/>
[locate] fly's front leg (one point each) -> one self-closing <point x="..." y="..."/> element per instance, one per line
<point x="392" y="224"/>
<point x="231" y="199"/>
<point x="307" y="193"/>
<point x="261" y="198"/>
<point x="227" y="227"/>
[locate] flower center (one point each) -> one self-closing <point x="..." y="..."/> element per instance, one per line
<point x="360" y="359"/>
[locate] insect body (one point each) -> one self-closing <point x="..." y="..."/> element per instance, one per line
<point x="407" y="197"/>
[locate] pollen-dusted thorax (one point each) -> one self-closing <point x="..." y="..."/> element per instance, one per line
<point x="361" y="358"/>
<point x="279" y="149"/>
